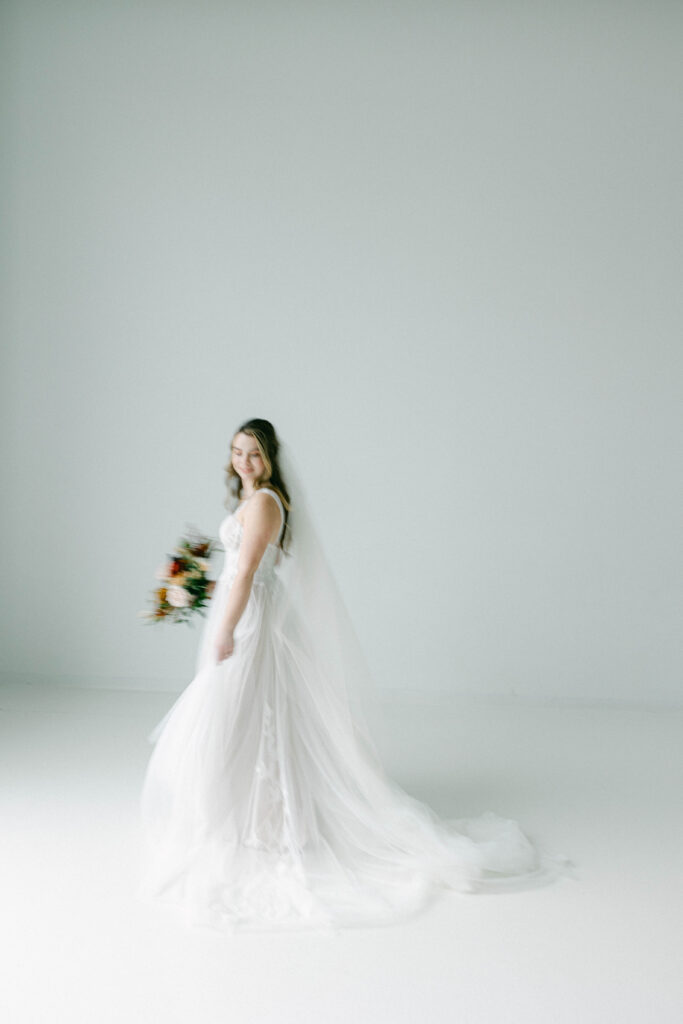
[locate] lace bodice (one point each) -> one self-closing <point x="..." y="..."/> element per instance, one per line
<point x="230" y="533"/>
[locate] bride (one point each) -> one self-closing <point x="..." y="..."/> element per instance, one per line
<point x="264" y="803"/>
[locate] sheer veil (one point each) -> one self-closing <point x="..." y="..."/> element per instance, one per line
<point x="318" y="632"/>
<point x="312" y="616"/>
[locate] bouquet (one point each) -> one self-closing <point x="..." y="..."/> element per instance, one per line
<point x="186" y="587"/>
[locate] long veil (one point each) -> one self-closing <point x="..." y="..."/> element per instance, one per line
<point x="311" y="613"/>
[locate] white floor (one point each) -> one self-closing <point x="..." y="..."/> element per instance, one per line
<point x="600" y="784"/>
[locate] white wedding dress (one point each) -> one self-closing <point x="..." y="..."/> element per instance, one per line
<point x="263" y="808"/>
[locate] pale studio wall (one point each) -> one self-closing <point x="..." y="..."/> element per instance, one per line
<point x="435" y="244"/>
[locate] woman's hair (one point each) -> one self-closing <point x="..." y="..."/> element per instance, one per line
<point x="268" y="445"/>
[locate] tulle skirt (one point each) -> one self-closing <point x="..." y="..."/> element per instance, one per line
<point x="265" y="805"/>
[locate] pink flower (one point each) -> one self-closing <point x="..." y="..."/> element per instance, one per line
<point x="178" y="597"/>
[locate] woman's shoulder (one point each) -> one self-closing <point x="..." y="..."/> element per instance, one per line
<point x="259" y="509"/>
<point x="260" y="502"/>
<point x="269" y="490"/>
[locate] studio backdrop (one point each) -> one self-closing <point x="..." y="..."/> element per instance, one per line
<point x="436" y="244"/>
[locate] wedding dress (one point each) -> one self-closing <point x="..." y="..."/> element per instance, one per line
<point x="265" y="805"/>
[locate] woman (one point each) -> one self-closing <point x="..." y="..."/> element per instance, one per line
<point x="265" y="804"/>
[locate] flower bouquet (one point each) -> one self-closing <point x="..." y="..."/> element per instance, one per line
<point x="186" y="587"/>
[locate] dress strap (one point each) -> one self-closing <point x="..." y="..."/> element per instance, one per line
<point x="282" y="508"/>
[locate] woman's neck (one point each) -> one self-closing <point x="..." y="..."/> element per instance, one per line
<point x="246" y="492"/>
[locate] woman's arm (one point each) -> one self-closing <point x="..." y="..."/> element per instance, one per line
<point x="259" y="526"/>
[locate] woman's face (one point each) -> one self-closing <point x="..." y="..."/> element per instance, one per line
<point x="246" y="458"/>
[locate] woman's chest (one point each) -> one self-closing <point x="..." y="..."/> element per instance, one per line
<point x="230" y="532"/>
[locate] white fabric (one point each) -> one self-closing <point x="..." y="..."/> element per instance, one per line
<point x="264" y="803"/>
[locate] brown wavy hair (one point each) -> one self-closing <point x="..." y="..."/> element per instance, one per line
<point x="268" y="445"/>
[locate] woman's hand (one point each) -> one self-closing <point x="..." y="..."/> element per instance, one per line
<point x="225" y="645"/>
